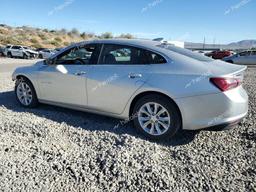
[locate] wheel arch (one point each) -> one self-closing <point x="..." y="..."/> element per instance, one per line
<point x="18" y="76"/>
<point x="145" y="93"/>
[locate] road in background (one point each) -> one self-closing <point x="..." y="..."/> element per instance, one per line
<point x="9" y="65"/>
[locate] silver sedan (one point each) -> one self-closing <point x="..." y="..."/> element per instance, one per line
<point x="160" y="87"/>
<point x="244" y="58"/>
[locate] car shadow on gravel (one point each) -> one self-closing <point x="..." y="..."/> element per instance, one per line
<point x="88" y="121"/>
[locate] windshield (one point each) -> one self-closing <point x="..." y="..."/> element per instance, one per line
<point x="186" y="52"/>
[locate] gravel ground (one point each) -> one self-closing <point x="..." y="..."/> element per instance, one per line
<point x="54" y="149"/>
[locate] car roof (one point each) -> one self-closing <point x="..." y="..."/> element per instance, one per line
<point x="140" y="43"/>
<point x="135" y="42"/>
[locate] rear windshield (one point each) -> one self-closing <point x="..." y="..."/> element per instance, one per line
<point x="186" y="52"/>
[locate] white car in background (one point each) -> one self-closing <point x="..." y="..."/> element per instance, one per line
<point x="20" y="51"/>
<point x="244" y="58"/>
<point x="46" y="53"/>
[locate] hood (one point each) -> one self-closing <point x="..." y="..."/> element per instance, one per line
<point x="31" y="51"/>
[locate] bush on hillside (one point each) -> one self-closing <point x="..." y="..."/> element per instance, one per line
<point x="107" y="35"/>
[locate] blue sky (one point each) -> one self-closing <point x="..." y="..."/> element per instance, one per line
<point x="187" y="20"/>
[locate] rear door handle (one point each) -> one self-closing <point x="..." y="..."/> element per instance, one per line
<point x="135" y="75"/>
<point x="80" y="73"/>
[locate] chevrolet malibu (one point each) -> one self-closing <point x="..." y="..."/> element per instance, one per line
<point x="160" y="87"/>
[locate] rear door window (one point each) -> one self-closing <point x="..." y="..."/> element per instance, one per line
<point x="245" y="53"/>
<point x="127" y="55"/>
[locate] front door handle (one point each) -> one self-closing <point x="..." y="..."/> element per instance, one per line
<point x="80" y="73"/>
<point x="135" y="75"/>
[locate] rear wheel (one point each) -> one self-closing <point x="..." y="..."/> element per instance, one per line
<point x="40" y="56"/>
<point x="230" y="61"/>
<point x="25" y="93"/>
<point x="156" y="117"/>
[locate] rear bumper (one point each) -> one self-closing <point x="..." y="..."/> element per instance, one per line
<point x="206" y="111"/>
<point x="225" y="126"/>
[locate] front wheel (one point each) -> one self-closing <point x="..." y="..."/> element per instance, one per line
<point x="25" y="56"/>
<point x="25" y="93"/>
<point x="157" y="117"/>
<point x="9" y="54"/>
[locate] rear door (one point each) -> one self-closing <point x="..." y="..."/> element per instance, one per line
<point x="120" y="72"/>
<point x="15" y="51"/>
<point x="252" y="59"/>
<point x="243" y="58"/>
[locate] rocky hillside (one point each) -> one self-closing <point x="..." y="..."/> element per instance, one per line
<point x="45" y="38"/>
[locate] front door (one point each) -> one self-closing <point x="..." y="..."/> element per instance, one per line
<point x="64" y="80"/>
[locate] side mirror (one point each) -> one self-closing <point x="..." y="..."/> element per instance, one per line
<point x="48" y="62"/>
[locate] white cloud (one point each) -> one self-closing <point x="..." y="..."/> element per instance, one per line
<point x="60" y="7"/>
<point x="237" y="6"/>
<point x="151" y="5"/>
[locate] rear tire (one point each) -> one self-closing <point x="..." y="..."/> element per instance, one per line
<point x="40" y="56"/>
<point x="230" y="61"/>
<point x="156" y="117"/>
<point x="25" y="93"/>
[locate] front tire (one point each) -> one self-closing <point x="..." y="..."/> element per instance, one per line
<point x="157" y="117"/>
<point x="25" y="56"/>
<point x="9" y="54"/>
<point x="230" y="61"/>
<point x="25" y="93"/>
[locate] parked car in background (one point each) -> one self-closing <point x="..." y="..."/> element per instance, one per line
<point x="219" y="54"/>
<point x="149" y="82"/>
<point x="58" y="49"/>
<point x="1" y="51"/>
<point x="20" y="52"/>
<point x="46" y="53"/>
<point x="245" y="58"/>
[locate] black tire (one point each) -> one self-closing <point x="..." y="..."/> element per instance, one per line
<point x="34" y="103"/>
<point x="9" y="54"/>
<point x="40" y="56"/>
<point x="175" y="117"/>
<point x="230" y="61"/>
<point x="25" y="56"/>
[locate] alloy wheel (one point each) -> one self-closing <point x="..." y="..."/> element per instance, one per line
<point x="154" y="118"/>
<point x="24" y="93"/>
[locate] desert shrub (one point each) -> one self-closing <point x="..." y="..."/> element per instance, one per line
<point x="34" y="40"/>
<point x="3" y="31"/>
<point x="58" y="39"/>
<point x="127" y="36"/>
<point x="107" y="35"/>
<point x="63" y="31"/>
<point x="10" y="41"/>
<point x="42" y="36"/>
<point x="37" y="45"/>
<point x="55" y="43"/>
<point x="66" y="43"/>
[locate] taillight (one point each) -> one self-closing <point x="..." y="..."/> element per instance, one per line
<point x="225" y="84"/>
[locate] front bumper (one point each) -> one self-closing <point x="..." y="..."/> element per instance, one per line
<point x="205" y="111"/>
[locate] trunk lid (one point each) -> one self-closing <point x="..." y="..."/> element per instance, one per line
<point x="223" y="69"/>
